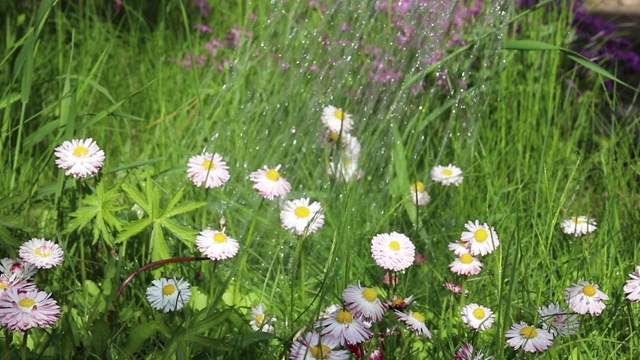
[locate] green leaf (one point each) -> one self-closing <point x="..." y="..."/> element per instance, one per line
<point x="159" y="248"/>
<point x="181" y="209"/>
<point x="186" y="234"/>
<point x="137" y="197"/>
<point x="133" y="228"/>
<point x="139" y="335"/>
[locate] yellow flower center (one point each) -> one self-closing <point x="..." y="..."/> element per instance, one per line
<point x="339" y="114"/>
<point x="334" y="136"/>
<point x="397" y="302"/>
<point x="168" y="289"/>
<point x="480" y="235"/>
<point x="394" y="245"/>
<point x="588" y="290"/>
<point x="344" y="317"/>
<point x="80" y="152"/>
<point x="273" y="175"/>
<point x="259" y="318"/>
<point x="320" y="351"/>
<point x="43" y="251"/>
<point x="208" y="164"/>
<point x="418" y="187"/>
<point x="578" y="220"/>
<point x="418" y="316"/>
<point x="528" y="332"/>
<point x="466" y="259"/>
<point x="3" y="286"/>
<point x="447" y="172"/>
<point x="478" y="313"/>
<point x="26" y="302"/>
<point x="302" y="212"/>
<point x="369" y="294"/>
<point x="219" y="237"/>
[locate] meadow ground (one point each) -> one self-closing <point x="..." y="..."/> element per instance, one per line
<point x="538" y="139"/>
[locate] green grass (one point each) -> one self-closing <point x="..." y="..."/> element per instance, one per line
<point x="532" y="152"/>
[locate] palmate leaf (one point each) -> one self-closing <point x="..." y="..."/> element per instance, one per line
<point x="159" y="219"/>
<point x="101" y="208"/>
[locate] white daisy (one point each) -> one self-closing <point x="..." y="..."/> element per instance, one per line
<point x="447" y="175"/>
<point x="168" y="294"/>
<point x="363" y="302"/>
<point x="208" y="169"/>
<point x="477" y="316"/>
<point x="394" y="251"/>
<point x="578" y="225"/>
<point x="313" y="346"/>
<point x="344" y="327"/>
<point x="529" y="338"/>
<point x="336" y="120"/>
<point x="585" y="298"/>
<point x="216" y="245"/>
<point x="301" y="217"/>
<point x="480" y="239"/>
<point x="79" y="157"/>
<point x="43" y="254"/>
<point x="19" y="268"/>
<point x="269" y="183"/>
<point x="415" y="321"/>
<point x="259" y="322"/>
<point x="557" y="321"/>
<point x="347" y="169"/>
<point x="460" y="247"/>
<point x="419" y="194"/>
<point x="632" y="286"/>
<point x="466" y="264"/>
<point x="465" y="352"/>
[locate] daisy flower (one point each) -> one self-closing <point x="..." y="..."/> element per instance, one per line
<point x="313" y="346"/>
<point x="22" y="310"/>
<point x="43" y="254"/>
<point x="258" y="321"/>
<point x="345" y="328"/>
<point x="414" y="321"/>
<point x="17" y="267"/>
<point x="632" y="287"/>
<point x="477" y="316"/>
<point x="529" y="338"/>
<point x="419" y="194"/>
<point x="79" y="157"/>
<point x="363" y="302"/>
<point x="394" y="251"/>
<point x="336" y="120"/>
<point x="209" y="169"/>
<point x="585" y="297"/>
<point x="480" y="239"/>
<point x="458" y="247"/>
<point x="455" y="288"/>
<point x="301" y="217"/>
<point x="578" y="225"/>
<point x="269" y="183"/>
<point x="14" y="282"/>
<point x="347" y="169"/>
<point x="557" y="321"/>
<point x="216" y="245"/>
<point x="447" y="175"/>
<point x="466" y="353"/>
<point x="466" y="264"/>
<point x="349" y="144"/>
<point x="168" y="294"/>
<point x="398" y="303"/>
